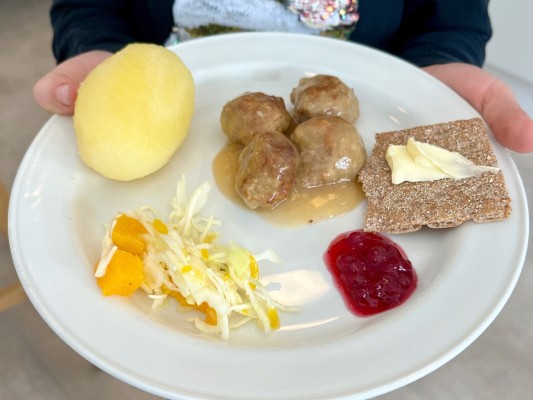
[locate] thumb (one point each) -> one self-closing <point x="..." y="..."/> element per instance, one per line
<point x="56" y="92"/>
<point x="493" y="99"/>
<point x="508" y="121"/>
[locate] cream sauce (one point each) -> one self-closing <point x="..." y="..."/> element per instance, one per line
<point x="304" y="206"/>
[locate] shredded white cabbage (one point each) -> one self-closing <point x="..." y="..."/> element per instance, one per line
<point x="188" y="260"/>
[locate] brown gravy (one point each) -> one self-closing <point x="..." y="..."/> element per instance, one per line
<point x="304" y="206"/>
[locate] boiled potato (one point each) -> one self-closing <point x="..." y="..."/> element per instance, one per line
<point x="133" y="111"/>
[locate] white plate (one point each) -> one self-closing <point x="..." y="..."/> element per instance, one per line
<point x="466" y="274"/>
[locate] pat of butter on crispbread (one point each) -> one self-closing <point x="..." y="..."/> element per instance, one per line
<point x="443" y="203"/>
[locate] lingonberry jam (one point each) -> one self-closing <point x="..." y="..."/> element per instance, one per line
<point x="372" y="272"/>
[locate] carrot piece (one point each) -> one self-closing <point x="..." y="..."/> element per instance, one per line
<point x="128" y="235"/>
<point x="160" y="226"/>
<point x="210" y="313"/>
<point x="124" y="274"/>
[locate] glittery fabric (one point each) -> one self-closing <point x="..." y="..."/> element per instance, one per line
<point x="195" y="18"/>
<point x="325" y="14"/>
<point x="439" y="204"/>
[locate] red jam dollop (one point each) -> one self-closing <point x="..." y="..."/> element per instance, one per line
<point x="372" y="272"/>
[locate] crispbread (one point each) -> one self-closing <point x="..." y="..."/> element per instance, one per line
<point x="443" y="203"/>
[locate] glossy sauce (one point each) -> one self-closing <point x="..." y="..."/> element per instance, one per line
<point x="304" y="206"/>
<point x="372" y="272"/>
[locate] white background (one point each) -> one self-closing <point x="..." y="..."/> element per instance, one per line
<point x="511" y="47"/>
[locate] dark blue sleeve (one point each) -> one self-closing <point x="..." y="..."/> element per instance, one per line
<point x="426" y="32"/>
<point x="84" y="25"/>
<point x="443" y="31"/>
<point x="423" y="32"/>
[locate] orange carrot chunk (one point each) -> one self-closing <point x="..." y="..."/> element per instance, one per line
<point x="128" y="235"/>
<point x="124" y="274"/>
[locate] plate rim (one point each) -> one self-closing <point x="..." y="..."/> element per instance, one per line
<point x="32" y="292"/>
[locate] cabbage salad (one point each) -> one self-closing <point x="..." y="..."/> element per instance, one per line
<point x="182" y="259"/>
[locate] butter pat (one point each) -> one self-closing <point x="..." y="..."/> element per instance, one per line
<point x="418" y="162"/>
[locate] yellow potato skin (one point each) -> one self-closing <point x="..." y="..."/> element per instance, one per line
<point x="133" y="111"/>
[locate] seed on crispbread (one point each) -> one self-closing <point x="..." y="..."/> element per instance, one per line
<point x="443" y="203"/>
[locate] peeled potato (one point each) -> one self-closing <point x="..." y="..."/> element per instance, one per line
<point x="133" y="111"/>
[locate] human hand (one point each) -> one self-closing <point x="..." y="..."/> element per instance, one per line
<point x="493" y="99"/>
<point x="56" y="92"/>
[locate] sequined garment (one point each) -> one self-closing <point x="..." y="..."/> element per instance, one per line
<point x="205" y="17"/>
<point x="325" y="14"/>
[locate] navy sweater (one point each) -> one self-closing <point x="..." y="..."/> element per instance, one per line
<point x="423" y="32"/>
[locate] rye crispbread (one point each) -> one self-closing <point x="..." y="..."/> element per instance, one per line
<point x="437" y="204"/>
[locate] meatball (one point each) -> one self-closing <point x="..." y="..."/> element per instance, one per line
<point x="267" y="169"/>
<point x="331" y="151"/>
<point x="251" y="113"/>
<point x="324" y="95"/>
